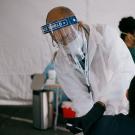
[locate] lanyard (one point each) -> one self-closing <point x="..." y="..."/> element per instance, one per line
<point x="79" y="67"/>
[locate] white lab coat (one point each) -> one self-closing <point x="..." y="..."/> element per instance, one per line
<point x="111" y="69"/>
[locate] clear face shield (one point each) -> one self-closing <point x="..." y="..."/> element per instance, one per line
<point x="68" y="36"/>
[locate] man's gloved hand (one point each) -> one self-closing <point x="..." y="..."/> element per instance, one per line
<point x="82" y="124"/>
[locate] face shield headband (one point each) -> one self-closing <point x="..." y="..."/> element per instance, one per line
<point x="51" y="27"/>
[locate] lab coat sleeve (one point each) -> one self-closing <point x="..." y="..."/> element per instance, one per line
<point x="120" y="63"/>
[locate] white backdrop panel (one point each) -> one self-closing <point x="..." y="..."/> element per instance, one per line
<point x="23" y="48"/>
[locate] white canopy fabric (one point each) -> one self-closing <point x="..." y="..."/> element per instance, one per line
<point x="23" y="48"/>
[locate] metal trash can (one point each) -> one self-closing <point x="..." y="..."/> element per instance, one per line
<point x="42" y="109"/>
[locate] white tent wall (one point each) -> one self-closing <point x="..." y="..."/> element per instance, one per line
<point x="109" y="11"/>
<point x="23" y="48"/>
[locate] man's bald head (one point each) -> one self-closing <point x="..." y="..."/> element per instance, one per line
<point x="58" y="13"/>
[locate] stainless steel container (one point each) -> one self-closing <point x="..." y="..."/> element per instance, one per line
<point x="42" y="109"/>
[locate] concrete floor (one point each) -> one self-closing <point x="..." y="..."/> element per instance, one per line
<point x="18" y="121"/>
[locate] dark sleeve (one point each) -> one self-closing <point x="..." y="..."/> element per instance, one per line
<point x="92" y="116"/>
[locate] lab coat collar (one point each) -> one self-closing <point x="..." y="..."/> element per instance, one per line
<point x="95" y="39"/>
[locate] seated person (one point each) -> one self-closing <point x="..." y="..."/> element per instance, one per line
<point x="127" y="28"/>
<point x="108" y="125"/>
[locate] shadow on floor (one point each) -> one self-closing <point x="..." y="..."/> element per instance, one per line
<point x="16" y="120"/>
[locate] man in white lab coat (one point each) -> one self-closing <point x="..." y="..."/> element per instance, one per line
<point x="107" y="67"/>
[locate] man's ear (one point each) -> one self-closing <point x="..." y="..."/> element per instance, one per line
<point x="127" y="94"/>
